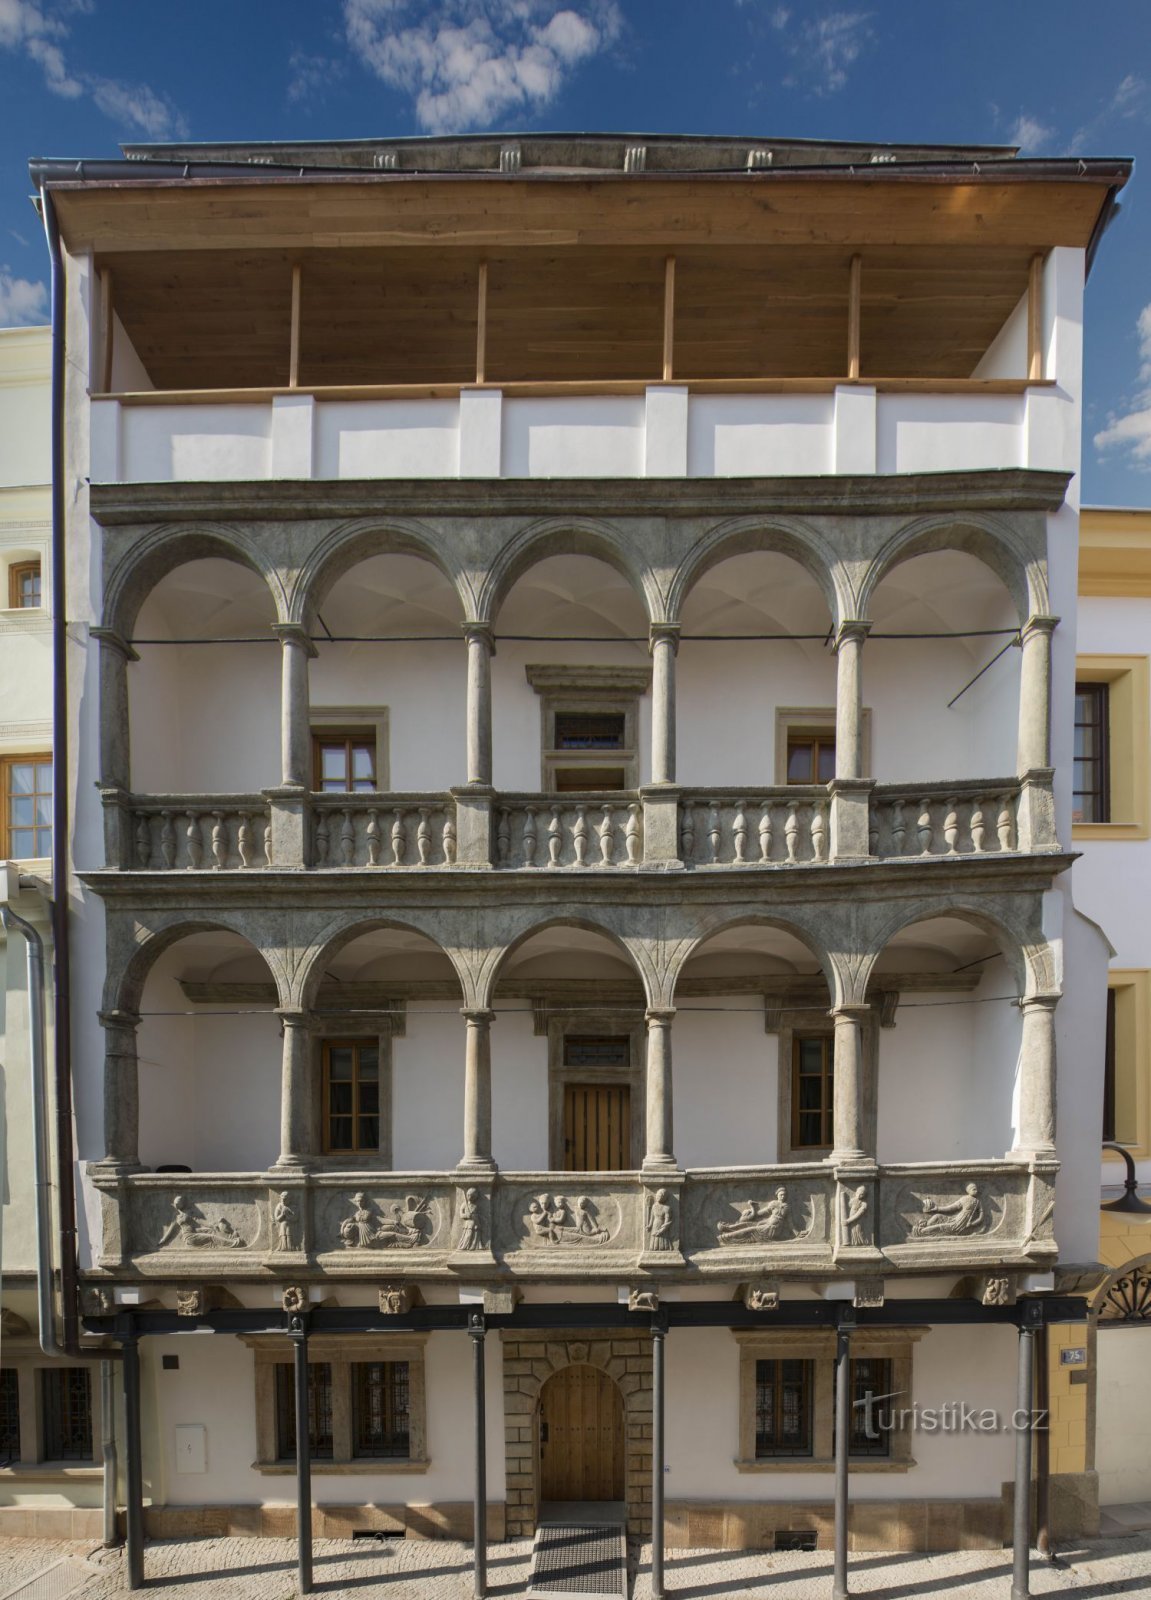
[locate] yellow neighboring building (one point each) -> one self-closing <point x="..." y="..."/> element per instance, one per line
<point x="1112" y="828"/>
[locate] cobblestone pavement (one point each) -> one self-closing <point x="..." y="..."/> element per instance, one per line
<point x="264" y="1569"/>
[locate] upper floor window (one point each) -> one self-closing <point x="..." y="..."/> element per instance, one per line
<point x="811" y="756"/>
<point x="1092" y="780"/>
<point x="351" y="1096"/>
<point x="26" y="816"/>
<point x="344" y="761"/>
<point x="812" y="1083"/>
<point x="24" y="586"/>
<point x="590" y="726"/>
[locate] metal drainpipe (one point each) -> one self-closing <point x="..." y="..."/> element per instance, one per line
<point x="1042" y="1444"/>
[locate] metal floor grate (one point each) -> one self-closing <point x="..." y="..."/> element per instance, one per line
<point x="568" y="1559"/>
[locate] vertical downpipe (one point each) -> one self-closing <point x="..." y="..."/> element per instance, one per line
<point x="134" y="1486"/>
<point x="476" y="1332"/>
<point x="658" y="1338"/>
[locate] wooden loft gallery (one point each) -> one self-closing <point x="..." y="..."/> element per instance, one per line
<point x="231" y="279"/>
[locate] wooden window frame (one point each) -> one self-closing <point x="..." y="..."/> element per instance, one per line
<point x="17" y="571"/>
<point x="341" y="1352"/>
<point x="1099" y="695"/>
<point x="283" y="1377"/>
<point x="560" y="1075"/>
<point x="1128" y="681"/>
<point x="788" y="1025"/>
<point x="7" y="762"/>
<point x="382" y="1048"/>
<point x="778" y="1451"/>
<point x="359" y="1371"/>
<point x="370" y="723"/>
<point x="817" y="1345"/>
<point x="587" y="691"/>
<point x="826" y="1041"/>
<point x="811" y="722"/>
<point x="1131" y="988"/>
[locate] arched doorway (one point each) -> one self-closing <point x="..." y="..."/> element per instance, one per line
<point x="581" y="1436"/>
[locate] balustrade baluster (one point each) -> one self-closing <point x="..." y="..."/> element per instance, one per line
<point x="424" y="837"/>
<point x="323" y="839"/>
<point x="898" y="827"/>
<point x="555" y="838"/>
<point x="739" y="832"/>
<point x="579" y="836"/>
<point x="450" y="839"/>
<point x="687" y="832"/>
<point x="713" y="833"/>
<point x="872" y="831"/>
<point x="634" y="837"/>
<point x="606" y="831"/>
<point x="765" y="831"/>
<point x="978" y="826"/>
<point x="399" y="839"/>
<point x="348" y="839"/>
<point x="167" y="840"/>
<point x="143" y="839"/>
<point x="194" y="841"/>
<point x="530" y="836"/>
<point x="819" y="831"/>
<point x="372" y="836"/>
<point x="503" y="837"/>
<point x="268" y="842"/>
<point x="791" y="831"/>
<point x="951" y="827"/>
<point x="219" y="842"/>
<point x="924" y="829"/>
<point x="1005" y="826"/>
<point x="244" y="839"/>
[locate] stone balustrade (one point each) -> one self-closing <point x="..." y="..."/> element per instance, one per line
<point x="383" y="830"/>
<point x="576" y="830"/>
<point x="933" y="820"/>
<point x="194" y="833"/>
<point x="780" y="827"/>
<point x="774" y="827"/>
<point x="804" y="1218"/>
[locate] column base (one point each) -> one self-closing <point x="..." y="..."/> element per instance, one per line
<point x="291" y="1164"/>
<point x="109" y="1170"/>
<point x="660" y="1164"/>
<point x="478" y="1167"/>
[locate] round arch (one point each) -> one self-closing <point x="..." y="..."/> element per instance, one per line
<point x="720" y="924"/>
<point x="634" y="950"/>
<point x="800" y="543"/>
<point x="1030" y="958"/>
<point x="124" y="986"/>
<point x="313" y="961"/>
<point x="563" y="537"/>
<point x="988" y="539"/>
<point x="1124" y="1297"/>
<point x="165" y="549"/>
<point x="352" y="542"/>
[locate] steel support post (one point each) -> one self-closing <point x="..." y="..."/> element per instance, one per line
<point x="134" y="1474"/>
<point x="480" y="1511"/>
<point x="842" y="1448"/>
<point x="658" y="1337"/>
<point x="298" y="1333"/>
<point x="1021" y="1530"/>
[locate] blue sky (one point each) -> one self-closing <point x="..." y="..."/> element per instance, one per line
<point x="1055" y="76"/>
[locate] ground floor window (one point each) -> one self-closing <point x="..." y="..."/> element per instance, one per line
<point x="9" y="1416"/>
<point x="366" y="1401"/>
<point x="787" y="1397"/>
<point x="49" y="1412"/>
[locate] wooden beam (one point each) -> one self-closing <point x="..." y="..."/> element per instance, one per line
<point x="481" y="322"/>
<point x="1035" y="320"/>
<point x="854" y="291"/>
<point x="104" y="376"/>
<point x="668" y="318"/>
<point x="294" y="348"/>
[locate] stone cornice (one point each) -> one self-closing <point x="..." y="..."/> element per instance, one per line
<point x="903" y="494"/>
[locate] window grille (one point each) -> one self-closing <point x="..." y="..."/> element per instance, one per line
<point x="319" y="1410"/>
<point x="783" y="1407"/>
<point x="871" y="1408"/>
<point x="1091" y="785"/>
<point x="9" y="1416"/>
<point x="66" y="1408"/>
<point x="597" y="1050"/>
<point x="380" y="1416"/>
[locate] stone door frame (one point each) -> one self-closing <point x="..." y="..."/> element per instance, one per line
<point x="530" y="1359"/>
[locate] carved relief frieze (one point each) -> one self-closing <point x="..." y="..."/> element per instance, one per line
<point x="855" y="1223"/>
<point x="762" y="1296"/>
<point x="406" y="1224"/>
<point x="781" y="1219"/>
<point x="660" y="1222"/>
<point x="192" y="1228"/>
<point x="285" y="1224"/>
<point x="947" y="1217"/>
<point x="578" y="1223"/>
<point x="472" y="1232"/>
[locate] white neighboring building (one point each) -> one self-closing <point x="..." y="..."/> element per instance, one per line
<point x="513" y="585"/>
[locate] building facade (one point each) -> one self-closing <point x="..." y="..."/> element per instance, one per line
<point x="571" y="658"/>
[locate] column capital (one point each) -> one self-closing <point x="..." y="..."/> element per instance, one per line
<point x="295" y="1017"/>
<point x="118" y="1019"/>
<point x="852" y="630"/>
<point x="660" y="1016"/>
<point x="114" y="641"/>
<point x="1038" y="623"/>
<point x="663" y="633"/>
<point x="852" y="1011"/>
<point x="1039" y="1002"/>
<point x="479" y="1015"/>
<point x="295" y="633"/>
<point x="479" y="633"/>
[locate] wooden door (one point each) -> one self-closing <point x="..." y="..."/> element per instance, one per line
<point x="597" y="1127"/>
<point x="581" y="1436"/>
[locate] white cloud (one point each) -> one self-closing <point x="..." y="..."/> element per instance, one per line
<point x="1129" y="100"/>
<point x="824" y="49"/>
<point x="311" y="76"/>
<point x="39" y="32"/>
<point x="466" y="63"/>
<point x="20" y="300"/>
<point x="1131" y="430"/>
<point x="1030" y="134"/>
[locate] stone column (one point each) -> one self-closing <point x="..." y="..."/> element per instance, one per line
<point x="295" y="724"/>
<point x="1034" y="750"/>
<point x="1035" y="1133"/>
<point x="658" y="1152"/>
<point x="477" y="1154"/>
<point x="296" y="1119"/>
<point x="481" y="649"/>
<point x="121" y="1090"/>
<point x="664" y="644"/>
<point x="115" y="748"/>
<point x="849" y="699"/>
<point x="848" y="1088"/>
